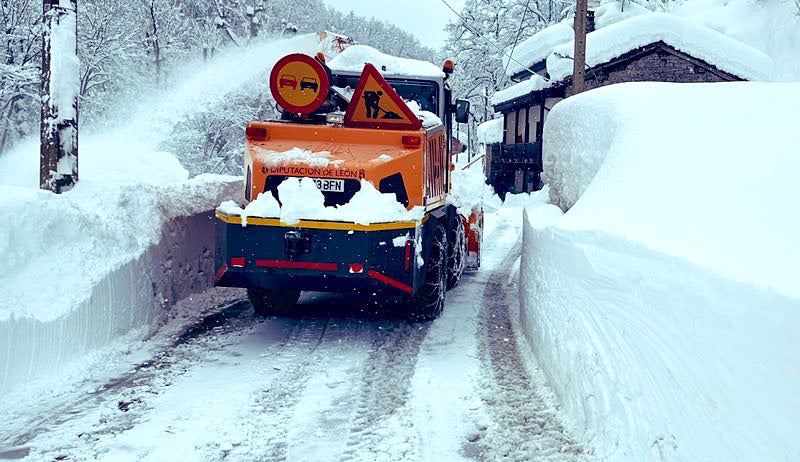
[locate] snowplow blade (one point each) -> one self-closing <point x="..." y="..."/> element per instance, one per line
<point x="322" y="256"/>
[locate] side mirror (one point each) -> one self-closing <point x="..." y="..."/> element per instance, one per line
<point x="462" y="111"/>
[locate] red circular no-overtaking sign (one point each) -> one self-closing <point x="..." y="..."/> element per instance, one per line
<point x="299" y="83"/>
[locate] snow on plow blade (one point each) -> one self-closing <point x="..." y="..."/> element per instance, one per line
<point x="323" y="256"/>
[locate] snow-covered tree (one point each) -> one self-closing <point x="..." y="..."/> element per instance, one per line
<point x="480" y="37"/>
<point x="128" y="49"/>
<point x="108" y="48"/>
<point x="165" y="30"/>
<point x="20" y="46"/>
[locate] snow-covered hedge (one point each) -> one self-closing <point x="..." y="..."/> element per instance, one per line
<point x="663" y="305"/>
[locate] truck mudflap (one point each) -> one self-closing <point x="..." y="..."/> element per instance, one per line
<point x="322" y="256"/>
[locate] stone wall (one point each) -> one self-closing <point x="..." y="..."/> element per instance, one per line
<point x="657" y="65"/>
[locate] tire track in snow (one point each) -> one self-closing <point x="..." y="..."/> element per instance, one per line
<point x="524" y="424"/>
<point x="381" y="428"/>
<point x="196" y="348"/>
<point x="133" y="386"/>
<point x="266" y="430"/>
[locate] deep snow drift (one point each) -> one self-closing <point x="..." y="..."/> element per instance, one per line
<point x="772" y="26"/>
<point x="686" y="170"/>
<point x="663" y="305"/>
<point x="84" y="267"/>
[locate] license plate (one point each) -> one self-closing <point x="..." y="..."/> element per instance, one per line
<point x="328" y="185"/>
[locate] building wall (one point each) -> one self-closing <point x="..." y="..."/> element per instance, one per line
<point x="655" y="64"/>
<point x="658" y="66"/>
<point x="521" y="125"/>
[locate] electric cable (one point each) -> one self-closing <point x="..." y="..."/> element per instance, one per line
<point x="519" y="31"/>
<point x="479" y="35"/>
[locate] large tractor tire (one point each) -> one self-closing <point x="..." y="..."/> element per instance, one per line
<point x="456" y="253"/>
<point x="273" y="302"/>
<point x="428" y="302"/>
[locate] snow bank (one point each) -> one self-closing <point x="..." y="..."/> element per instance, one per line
<point x="663" y="305"/>
<point x="83" y="268"/>
<point x="74" y="240"/>
<point x="129" y="240"/>
<point x="720" y="177"/>
<point x="353" y="58"/>
<point x="302" y="200"/>
<point x="701" y="42"/>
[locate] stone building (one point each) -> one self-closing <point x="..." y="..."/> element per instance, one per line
<point x="621" y="46"/>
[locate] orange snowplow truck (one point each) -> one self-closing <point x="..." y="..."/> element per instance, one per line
<point x="363" y="123"/>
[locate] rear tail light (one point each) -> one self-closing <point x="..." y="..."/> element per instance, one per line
<point x="412" y="140"/>
<point x="238" y="262"/>
<point x="255" y="133"/>
<point x="356" y="268"/>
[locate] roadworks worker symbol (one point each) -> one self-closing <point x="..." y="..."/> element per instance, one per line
<point x="299" y="83"/>
<point x="375" y="104"/>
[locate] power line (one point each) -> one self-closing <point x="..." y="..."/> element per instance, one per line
<point x="479" y="35"/>
<point x="519" y="31"/>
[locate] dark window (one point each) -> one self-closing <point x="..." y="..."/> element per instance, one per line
<point x="248" y="187"/>
<point x="425" y="93"/>
<point x="394" y="184"/>
<point x="527" y="125"/>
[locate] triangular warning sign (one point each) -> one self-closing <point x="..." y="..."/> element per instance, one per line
<point x="375" y="104"/>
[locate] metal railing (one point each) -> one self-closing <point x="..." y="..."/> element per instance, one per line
<point x="523" y="155"/>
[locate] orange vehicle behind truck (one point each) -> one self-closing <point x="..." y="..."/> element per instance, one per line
<point x="367" y="134"/>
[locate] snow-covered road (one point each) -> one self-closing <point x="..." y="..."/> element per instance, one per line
<point x="337" y="382"/>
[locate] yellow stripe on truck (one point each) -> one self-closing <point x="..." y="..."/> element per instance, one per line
<point x="337" y="225"/>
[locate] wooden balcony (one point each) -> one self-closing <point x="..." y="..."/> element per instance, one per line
<point x="527" y="156"/>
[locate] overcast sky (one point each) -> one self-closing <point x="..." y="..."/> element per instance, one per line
<point x="423" y="18"/>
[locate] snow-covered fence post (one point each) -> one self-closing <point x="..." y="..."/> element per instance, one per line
<point x="579" y="54"/>
<point x="58" y="168"/>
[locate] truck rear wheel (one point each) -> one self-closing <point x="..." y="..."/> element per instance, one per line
<point x="456" y="253"/>
<point x="428" y="302"/>
<point x="273" y="302"/>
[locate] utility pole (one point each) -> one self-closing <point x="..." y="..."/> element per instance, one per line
<point x="60" y="77"/>
<point x="579" y="54"/>
<point x="486" y="103"/>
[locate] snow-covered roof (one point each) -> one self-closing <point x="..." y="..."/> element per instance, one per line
<point x="537" y="47"/>
<point x="353" y="59"/>
<point x="536" y="82"/>
<point x="491" y="131"/>
<point x="717" y="49"/>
